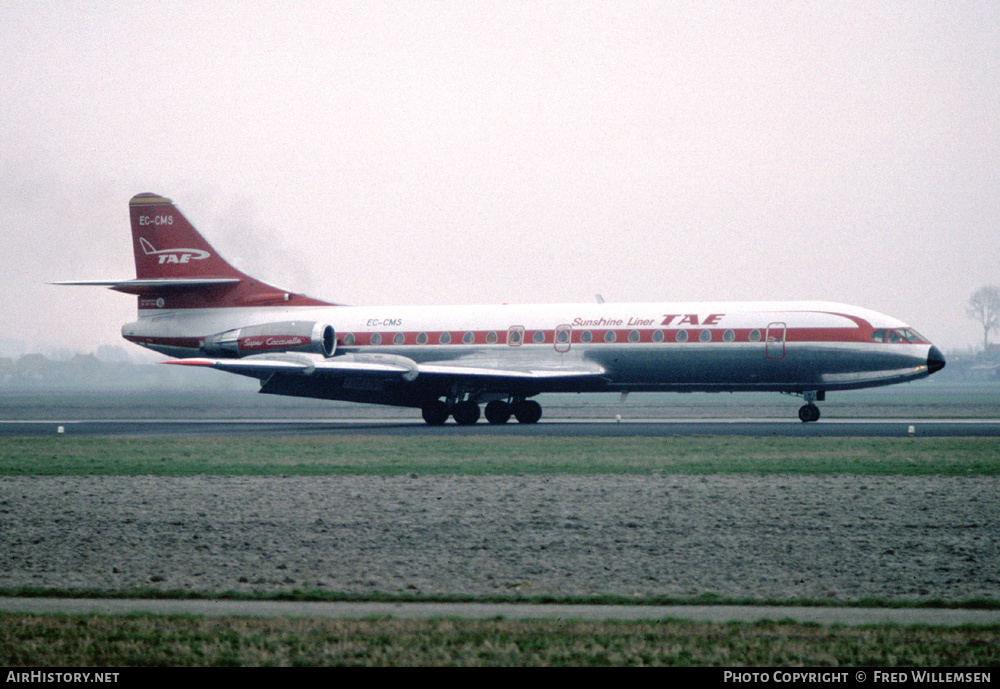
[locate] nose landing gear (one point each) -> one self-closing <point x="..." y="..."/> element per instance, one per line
<point x="809" y="412"/>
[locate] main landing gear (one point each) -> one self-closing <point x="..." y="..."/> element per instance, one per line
<point x="466" y="412"/>
<point x="809" y="412"/>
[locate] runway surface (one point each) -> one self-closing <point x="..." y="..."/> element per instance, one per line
<point x="559" y="427"/>
<point x="510" y="611"/>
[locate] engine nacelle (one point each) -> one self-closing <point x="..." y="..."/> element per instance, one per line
<point x="287" y="336"/>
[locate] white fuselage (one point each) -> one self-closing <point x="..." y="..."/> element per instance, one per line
<point x="711" y="346"/>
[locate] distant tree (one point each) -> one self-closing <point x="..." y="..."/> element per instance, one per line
<point x="984" y="306"/>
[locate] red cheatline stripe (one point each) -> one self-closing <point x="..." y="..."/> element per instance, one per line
<point x="645" y="336"/>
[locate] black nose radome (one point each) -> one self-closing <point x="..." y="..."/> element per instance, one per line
<point x="935" y="360"/>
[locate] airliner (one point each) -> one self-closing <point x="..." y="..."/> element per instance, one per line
<point x="449" y="361"/>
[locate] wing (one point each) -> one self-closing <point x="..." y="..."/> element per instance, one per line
<point x="381" y="366"/>
<point x="263" y="366"/>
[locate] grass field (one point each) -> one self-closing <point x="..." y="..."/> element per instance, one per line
<point x="492" y="455"/>
<point x="96" y="640"/>
<point x="108" y="641"/>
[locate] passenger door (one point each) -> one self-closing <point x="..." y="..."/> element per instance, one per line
<point x="774" y="339"/>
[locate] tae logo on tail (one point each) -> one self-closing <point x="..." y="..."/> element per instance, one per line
<point x="173" y="255"/>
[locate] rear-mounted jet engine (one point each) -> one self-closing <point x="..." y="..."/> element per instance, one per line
<point x="288" y="336"/>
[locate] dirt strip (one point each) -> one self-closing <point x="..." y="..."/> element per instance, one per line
<point x="838" y="538"/>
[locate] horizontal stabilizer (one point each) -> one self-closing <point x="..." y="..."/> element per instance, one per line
<point x="152" y="284"/>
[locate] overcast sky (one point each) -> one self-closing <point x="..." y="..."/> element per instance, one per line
<point x="479" y="152"/>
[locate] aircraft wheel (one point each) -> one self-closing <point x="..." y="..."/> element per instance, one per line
<point x="498" y="412"/>
<point x="809" y="413"/>
<point x="528" y="411"/>
<point x="435" y="412"/>
<point x="466" y="413"/>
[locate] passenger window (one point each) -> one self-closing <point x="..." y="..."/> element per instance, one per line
<point x="398" y="338"/>
<point x="706" y="336"/>
<point x="376" y="339"/>
<point x="538" y="337"/>
<point x="682" y="335"/>
<point x="633" y="336"/>
<point x="468" y="338"/>
<point x="445" y="338"/>
<point x="657" y="336"/>
<point x="491" y="337"/>
<point x="349" y="340"/>
<point x="586" y="336"/>
<point x="422" y="338"/>
<point x="610" y="336"/>
<point x="729" y="336"/>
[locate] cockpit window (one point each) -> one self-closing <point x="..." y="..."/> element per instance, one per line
<point x="901" y="335"/>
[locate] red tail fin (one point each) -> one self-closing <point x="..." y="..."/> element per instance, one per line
<point x="178" y="269"/>
<point x="166" y="245"/>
